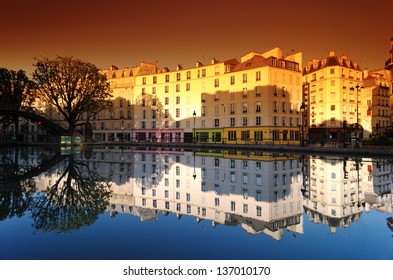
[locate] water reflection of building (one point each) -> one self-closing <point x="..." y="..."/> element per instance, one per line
<point x="259" y="192"/>
<point x="336" y="195"/>
<point x="378" y="186"/>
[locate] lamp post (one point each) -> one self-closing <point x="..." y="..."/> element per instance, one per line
<point x="303" y="112"/>
<point x="357" y="87"/>
<point x="193" y="130"/>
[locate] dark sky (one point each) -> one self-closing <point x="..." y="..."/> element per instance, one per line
<point x="125" y="32"/>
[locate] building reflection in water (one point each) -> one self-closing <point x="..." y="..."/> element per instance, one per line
<point x="259" y="191"/>
<point x="337" y="191"/>
<point x="262" y="192"/>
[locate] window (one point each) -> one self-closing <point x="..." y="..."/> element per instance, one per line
<point x="232" y="80"/>
<point x="217" y="202"/>
<point x="233" y="206"/>
<point x="245" y="193"/>
<point x="258" y="179"/>
<point x="177" y="112"/>
<point x="258" y="91"/>
<point x="177" y="88"/>
<point x="188" y="75"/>
<point x="332" y="107"/>
<point x="154" y="79"/>
<point x="166" y="100"/>
<point x="232" y="122"/>
<point x="258" y="76"/>
<point x="144" y="81"/>
<point x="177" y="99"/>
<point x="216" y="82"/>
<point x="245" y="120"/>
<point x="233" y="176"/>
<point x="259" y="196"/>
<point x="203" y="72"/>
<point x="178" y="76"/>
<point x="232" y="108"/>
<point x="258" y="120"/>
<point x="245" y="208"/>
<point x="166" y="89"/>
<point x="166" y="113"/>
<point x="245" y="107"/>
<point x="245" y="178"/>
<point x="259" y="211"/>
<point x="245" y="78"/>
<point x="258" y="106"/>
<point x="245" y="93"/>
<point x="188" y="87"/>
<point x="217" y="189"/>
<point x="216" y="122"/>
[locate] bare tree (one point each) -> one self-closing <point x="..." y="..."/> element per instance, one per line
<point x="75" y="88"/>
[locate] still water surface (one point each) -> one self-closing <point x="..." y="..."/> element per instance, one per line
<point x="113" y="203"/>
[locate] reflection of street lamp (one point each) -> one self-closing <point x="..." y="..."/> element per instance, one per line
<point x="194" y="174"/>
<point x="193" y="131"/>
<point x="358" y="87"/>
<point x="122" y="129"/>
<point x="303" y="112"/>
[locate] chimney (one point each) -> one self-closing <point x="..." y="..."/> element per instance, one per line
<point x="332" y="53"/>
<point x="179" y="67"/>
<point x="198" y="64"/>
<point x="365" y="73"/>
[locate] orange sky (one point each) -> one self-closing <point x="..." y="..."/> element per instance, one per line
<point x="125" y="32"/>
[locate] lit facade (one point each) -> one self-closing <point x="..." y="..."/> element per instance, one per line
<point x="334" y="92"/>
<point x="256" y="99"/>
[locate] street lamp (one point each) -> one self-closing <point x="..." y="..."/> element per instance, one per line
<point x="193" y="130"/>
<point x="357" y="87"/>
<point x="303" y="112"/>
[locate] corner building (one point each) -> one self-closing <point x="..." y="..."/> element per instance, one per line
<point x="332" y="90"/>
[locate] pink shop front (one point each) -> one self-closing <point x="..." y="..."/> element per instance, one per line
<point x="158" y="135"/>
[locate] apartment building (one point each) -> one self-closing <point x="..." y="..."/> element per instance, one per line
<point x="256" y="99"/>
<point x="333" y="90"/>
<point x="376" y="103"/>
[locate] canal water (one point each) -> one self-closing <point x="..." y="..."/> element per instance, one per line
<point x="116" y="203"/>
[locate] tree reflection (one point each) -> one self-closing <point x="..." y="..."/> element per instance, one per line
<point x="15" y="199"/>
<point x="77" y="197"/>
<point x="15" y="196"/>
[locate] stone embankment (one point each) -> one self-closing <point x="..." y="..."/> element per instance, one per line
<point x="385" y="152"/>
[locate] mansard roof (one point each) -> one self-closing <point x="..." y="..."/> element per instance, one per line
<point x="330" y="61"/>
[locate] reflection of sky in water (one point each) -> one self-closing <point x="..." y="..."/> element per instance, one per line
<point x="125" y="237"/>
